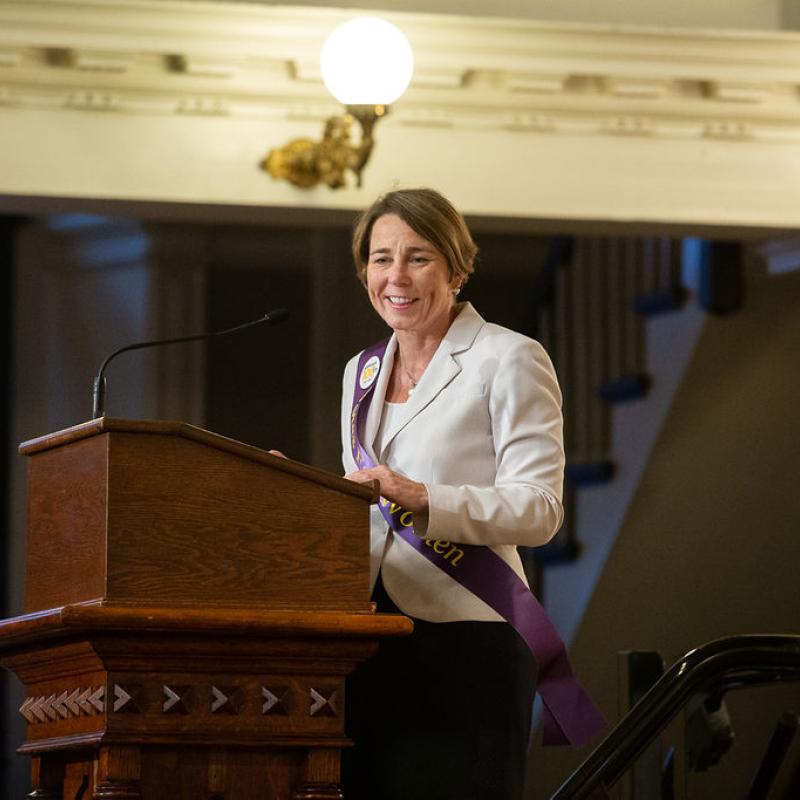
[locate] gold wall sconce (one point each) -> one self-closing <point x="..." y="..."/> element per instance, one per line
<point x="366" y="64"/>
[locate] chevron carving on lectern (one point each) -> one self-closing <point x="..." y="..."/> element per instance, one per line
<point x="125" y="699"/>
<point x="175" y="699"/>
<point x="224" y="700"/>
<point x="75" y="703"/>
<point x="273" y="700"/>
<point x="322" y="703"/>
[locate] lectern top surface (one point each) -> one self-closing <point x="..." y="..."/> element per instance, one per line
<point x="105" y="425"/>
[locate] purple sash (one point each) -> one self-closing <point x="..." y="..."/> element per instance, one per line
<point x="570" y="717"/>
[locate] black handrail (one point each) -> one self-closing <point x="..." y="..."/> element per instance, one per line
<point x="718" y="666"/>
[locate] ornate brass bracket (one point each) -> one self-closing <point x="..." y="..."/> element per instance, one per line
<point x="305" y="163"/>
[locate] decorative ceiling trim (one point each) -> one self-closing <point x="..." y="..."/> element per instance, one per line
<point x="201" y="58"/>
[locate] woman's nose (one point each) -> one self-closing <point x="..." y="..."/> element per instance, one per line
<point x="399" y="272"/>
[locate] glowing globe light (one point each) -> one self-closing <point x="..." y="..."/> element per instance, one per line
<point x="367" y="61"/>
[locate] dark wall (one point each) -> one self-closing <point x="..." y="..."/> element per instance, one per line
<point x="258" y="380"/>
<point x="7" y="269"/>
<point x="502" y="286"/>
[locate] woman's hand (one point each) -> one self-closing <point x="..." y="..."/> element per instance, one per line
<point x="413" y="496"/>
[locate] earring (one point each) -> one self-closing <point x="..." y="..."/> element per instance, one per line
<point x="456" y="290"/>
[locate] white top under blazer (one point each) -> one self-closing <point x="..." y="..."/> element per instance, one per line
<point x="483" y="431"/>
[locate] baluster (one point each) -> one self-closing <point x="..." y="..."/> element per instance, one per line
<point x="616" y="309"/>
<point x="598" y="271"/>
<point x="580" y="333"/>
<point x="630" y="345"/>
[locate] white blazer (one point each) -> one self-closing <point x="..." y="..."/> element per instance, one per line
<point x="483" y="432"/>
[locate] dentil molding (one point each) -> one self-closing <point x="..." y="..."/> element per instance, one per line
<point x="160" y="57"/>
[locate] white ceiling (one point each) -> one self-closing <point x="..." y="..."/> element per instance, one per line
<point x="742" y="14"/>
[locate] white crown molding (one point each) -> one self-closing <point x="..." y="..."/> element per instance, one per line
<point x="256" y="61"/>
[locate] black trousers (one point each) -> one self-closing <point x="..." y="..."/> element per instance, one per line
<point x="443" y="714"/>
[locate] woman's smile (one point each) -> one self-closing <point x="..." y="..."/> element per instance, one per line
<point x="400" y="302"/>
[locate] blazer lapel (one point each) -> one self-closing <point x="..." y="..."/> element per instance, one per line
<point x="439" y="373"/>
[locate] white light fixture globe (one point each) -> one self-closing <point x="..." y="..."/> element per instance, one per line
<point x="367" y="61"/>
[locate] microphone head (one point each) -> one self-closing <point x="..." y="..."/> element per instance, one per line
<point x="277" y="315"/>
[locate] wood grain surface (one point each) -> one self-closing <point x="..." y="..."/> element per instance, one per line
<point x="160" y="512"/>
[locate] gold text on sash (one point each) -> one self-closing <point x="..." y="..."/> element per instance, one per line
<point x="451" y="553"/>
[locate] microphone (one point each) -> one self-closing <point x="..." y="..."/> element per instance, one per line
<point x="99" y="395"/>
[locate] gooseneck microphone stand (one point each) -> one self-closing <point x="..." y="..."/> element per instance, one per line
<point x="99" y="394"/>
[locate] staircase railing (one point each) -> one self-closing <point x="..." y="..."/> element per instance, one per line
<point x="716" y="667"/>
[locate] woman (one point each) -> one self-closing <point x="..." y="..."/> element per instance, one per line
<point x="460" y="421"/>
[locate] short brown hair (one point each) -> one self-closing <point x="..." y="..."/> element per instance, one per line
<point x="427" y="213"/>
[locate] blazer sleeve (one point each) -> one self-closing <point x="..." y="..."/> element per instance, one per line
<point x="523" y="507"/>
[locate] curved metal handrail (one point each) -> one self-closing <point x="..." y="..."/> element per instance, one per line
<point x="718" y="666"/>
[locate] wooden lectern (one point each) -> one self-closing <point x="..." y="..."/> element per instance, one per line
<point x="193" y="608"/>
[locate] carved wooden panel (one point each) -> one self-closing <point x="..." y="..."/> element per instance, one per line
<point x="157" y="703"/>
<point x="192" y="704"/>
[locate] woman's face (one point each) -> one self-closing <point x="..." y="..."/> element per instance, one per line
<point x="407" y="279"/>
